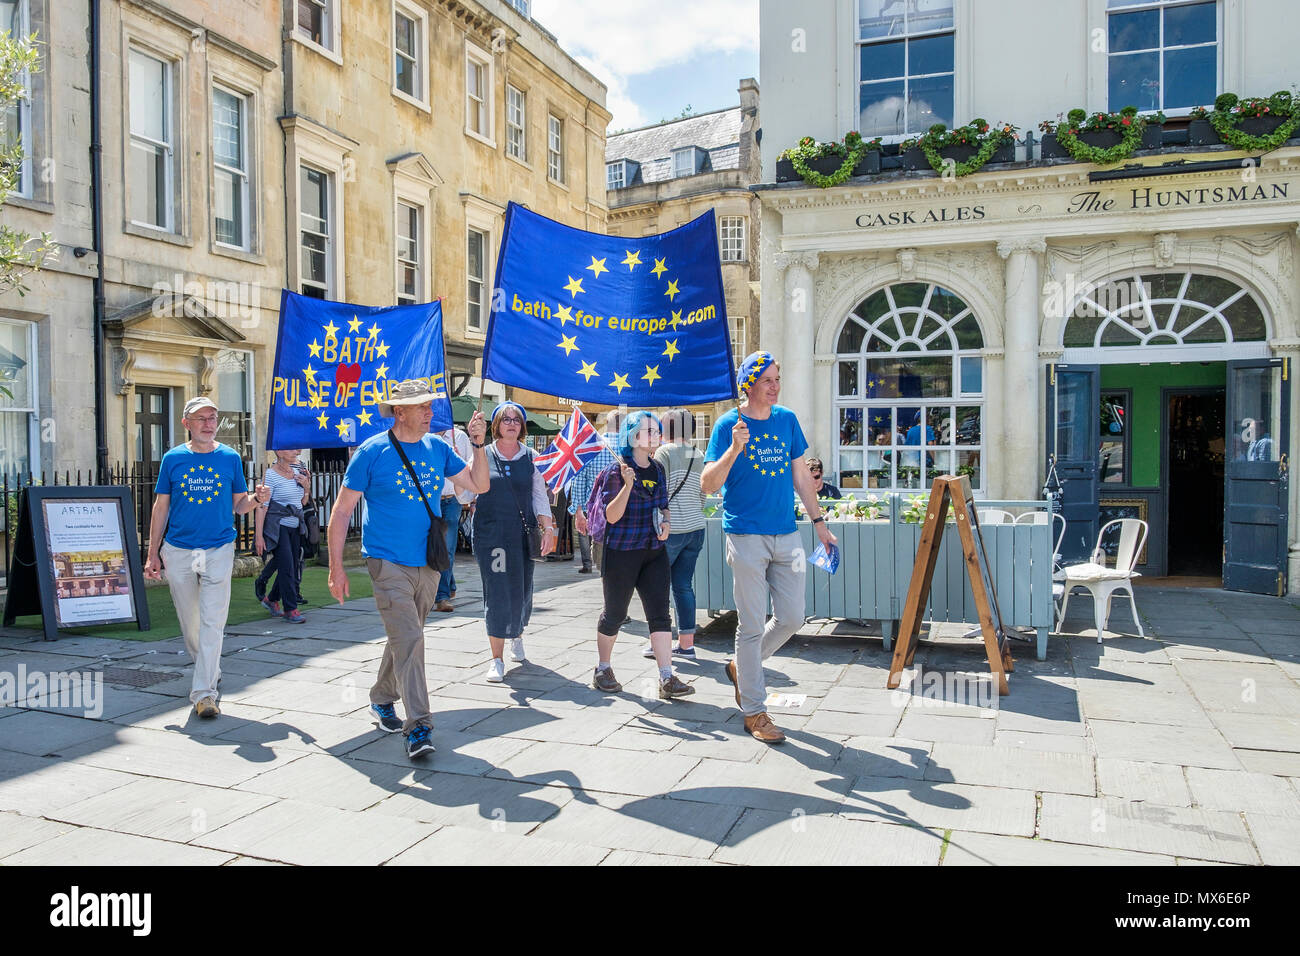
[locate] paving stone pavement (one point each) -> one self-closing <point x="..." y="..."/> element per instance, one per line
<point x="1183" y="748"/>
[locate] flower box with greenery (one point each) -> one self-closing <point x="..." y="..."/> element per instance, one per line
<point x="1256" y="124"/>
<point x="968" y="147"/>
<point x="870" y="508"/>
<point x="829" y="164"/>
<point x="1101" y="138"/>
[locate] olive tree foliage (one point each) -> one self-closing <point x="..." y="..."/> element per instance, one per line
<point x="20" y="253"/>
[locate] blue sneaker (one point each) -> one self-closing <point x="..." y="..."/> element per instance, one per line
<point x="387" y="715"/>
<point x="418" y="742"/>
<point x="273" y="607"/>
<point x="686" y="652"/>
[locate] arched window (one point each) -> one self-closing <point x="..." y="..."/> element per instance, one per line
<point x="909" y="389"/>
<point x="1174" y="308"/>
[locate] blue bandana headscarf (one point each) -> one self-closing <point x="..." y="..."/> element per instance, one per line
<point x="504" y="405"/>
<point x="632" y="425"/>
<point x="755" y="364"/>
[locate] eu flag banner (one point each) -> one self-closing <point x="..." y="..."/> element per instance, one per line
<point x="335" y="362"/>
<point x="610" y="320"/>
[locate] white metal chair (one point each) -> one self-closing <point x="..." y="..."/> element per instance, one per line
<point x="995" y="516"/>
<point x="1047" y="517"/>
<point x="1102" y="582"/>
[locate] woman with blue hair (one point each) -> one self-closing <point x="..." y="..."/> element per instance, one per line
<point x="503" y="517"/>
<point x="635" y="502"/>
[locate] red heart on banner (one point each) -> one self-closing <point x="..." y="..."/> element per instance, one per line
<point x="347" y="373"/>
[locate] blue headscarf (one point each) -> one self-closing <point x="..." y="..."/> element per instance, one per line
<point x="523" y="414"/>
<point x="632" y="425"/>
<point x="755" y="364"/>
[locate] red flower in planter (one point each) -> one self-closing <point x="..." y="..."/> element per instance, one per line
<point x="1126" y="121"/>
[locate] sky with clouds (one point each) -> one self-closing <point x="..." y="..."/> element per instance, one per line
<point x="658" y="56"/>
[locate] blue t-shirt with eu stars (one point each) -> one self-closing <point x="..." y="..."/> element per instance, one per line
<point x="758" y="495"/>
<point x="201" y="485"/>
<point x="396" y="525"/>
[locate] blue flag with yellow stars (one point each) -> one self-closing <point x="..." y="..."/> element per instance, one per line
<point x="610" y="320"/>
<point x="334" y="364"/>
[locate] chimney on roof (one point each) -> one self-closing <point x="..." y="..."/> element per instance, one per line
<point x="749" y="158"/>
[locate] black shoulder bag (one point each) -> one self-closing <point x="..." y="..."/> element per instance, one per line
<point x="435" y="549"/>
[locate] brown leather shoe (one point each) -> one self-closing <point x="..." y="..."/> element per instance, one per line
<point x="444" y="606"/>
<point x="207" y="708"/>
<point x="731" y="676"/>
<point x="760" y="727"/>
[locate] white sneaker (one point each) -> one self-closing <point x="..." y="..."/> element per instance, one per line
<point x="517" y="650"/>
<point x="649" y="651"/>
<point x="496" y="671"/>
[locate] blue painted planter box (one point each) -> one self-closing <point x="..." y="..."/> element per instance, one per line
<point x="876" y="560"/>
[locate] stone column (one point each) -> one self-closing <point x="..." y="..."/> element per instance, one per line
<point x="1021" y="445"/>
<point x="796" y="356"/>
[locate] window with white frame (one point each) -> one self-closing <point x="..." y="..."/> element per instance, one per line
<point x="230" y="151"/>
<point x="523" y="6"/>
<point x="738" y="338"/>
<point x="555" y="147"/>
<point x="18" y="424"/>
<point x="516" y="123"/>
<point x="905" y="66"/>
<point x="234" y="372"/>
<point x="410" y="274"/>
<point x="16" y="117"/>
<point x="731" y="238"/>
<point x="150" y="166"/>
<point x="703" y="429"/>
<point x="1162" y="54"/>
<point x="476" y="273"/>
<point x="408" y="53"/>
<point x="478" y="92"/>
<point x="316" y="21"/>
<point x="315" y="232"/>
<point x="614" y="175"/>
<point x="684" y="162"/>
<point x="909" y="391"/>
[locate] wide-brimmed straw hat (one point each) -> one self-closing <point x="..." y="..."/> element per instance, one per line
<point x="414" y="391"/>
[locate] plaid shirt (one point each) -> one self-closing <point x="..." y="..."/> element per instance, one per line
<point x="585" y="479"/>
<point x="635" y="531"/>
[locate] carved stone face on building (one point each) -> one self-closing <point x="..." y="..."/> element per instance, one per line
<point x="907" y="261"/>
<point x="1164" y="245"/>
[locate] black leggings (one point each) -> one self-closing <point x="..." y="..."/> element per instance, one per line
<point x="649" y="574"/>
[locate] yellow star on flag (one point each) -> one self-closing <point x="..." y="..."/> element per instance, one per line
<point x="597" y="266"/>
<point x="364" y="418"/>
<point x="651" y="374"/>
<point x="566" y="315"/>
<point x="374" y="331"/>
<point x="315" y="401"/>
<point x="381" y="350"/>
<point x="620" y="382"/>
<point x="659" y="268"/>
<point x="672" y="292"/>
<point x="331" y="330"/>
<point x="676" y="319"/>
<point x="354" y="325"/>
<point x="315" y="349"/>
<point x="756" y="466"/>
<point x="575" y="286"/>
<point x="381" y="371"/>
<point x="588" y="369"/>
<point x="309" y="373"/>
<point x="763" y="471"/>
<point x="568" y="343"/>
<point x="633" y="259"/>
<point x="342" y="426"/>
<point x="671" y="350"/>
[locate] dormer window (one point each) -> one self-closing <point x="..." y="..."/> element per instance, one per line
<point x="621" y="173"/>
<point x="685" y="162"/>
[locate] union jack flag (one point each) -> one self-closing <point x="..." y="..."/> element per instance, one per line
<point x="576" y="444"/>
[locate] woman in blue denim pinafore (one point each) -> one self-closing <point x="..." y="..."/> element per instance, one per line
<point x="502" y="516"/>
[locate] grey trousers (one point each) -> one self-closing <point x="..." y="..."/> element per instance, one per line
<point x="584" y="547"/>
<point x="404" y="597"/>
<point x="200" y="584"/>
<point x="763" y="565"/>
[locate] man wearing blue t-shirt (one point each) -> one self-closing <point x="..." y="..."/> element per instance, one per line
<point x="756" y="457"/>
<point x="394" y="538"/>
<point x="200" y="489"/>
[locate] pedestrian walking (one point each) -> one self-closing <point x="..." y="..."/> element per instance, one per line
<point x="755" y="457"/>
<point x="453" y="501"/>
<point x="508" y="513"/>
<point x="200" y="488"/>
<point x="397" y="473"/>
<point x="633" y="495"/>
<point x="683" y="464"/>
<point x="278" y="529"/>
